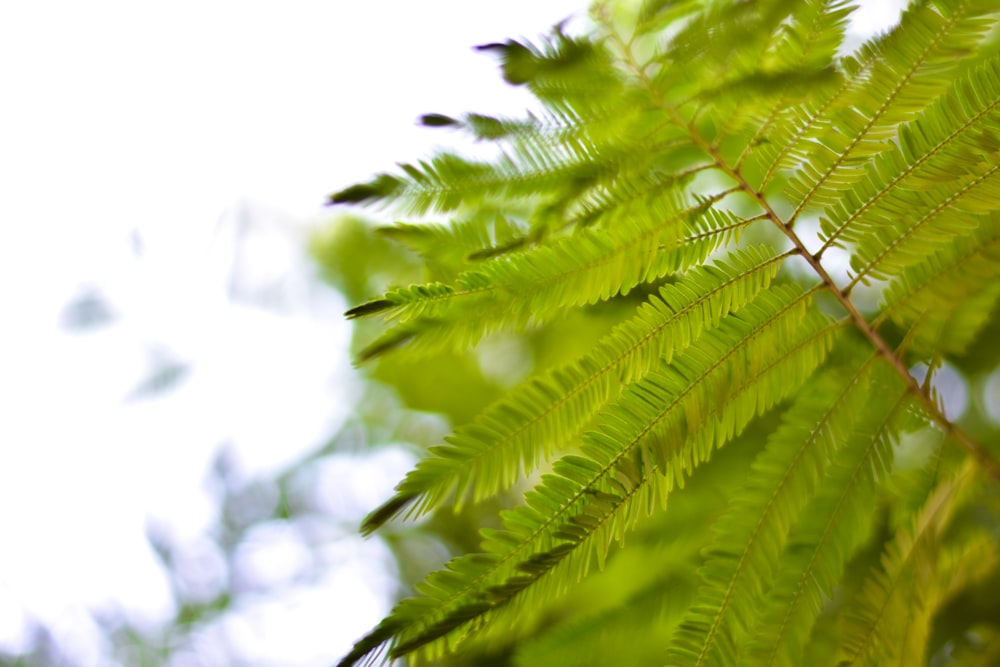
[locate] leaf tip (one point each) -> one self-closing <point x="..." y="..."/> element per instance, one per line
<point x="369" y="308"/>
<point x="384" y="512"/>
<point x="385" y="344"/>
<point x="373" y="641"/>
<point x="437" y="120"/>
<point x="380" y="188"/>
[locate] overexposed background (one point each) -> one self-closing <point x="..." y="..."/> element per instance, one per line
<point x="161" y="168"/>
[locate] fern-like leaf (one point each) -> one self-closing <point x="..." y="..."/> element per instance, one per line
<point x="511" y="292"/>
<point x="890" y="625"/>
<point x="644" y="445"/>
<point x="830" y="529"/>
<point x="667" y="136"/>
<point x="750" y="537"/>
<point x="529" y="425"/>
<point x="926" y="48"/>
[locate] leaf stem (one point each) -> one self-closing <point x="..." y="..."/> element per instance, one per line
<point x="977" y="451"/>
<point x="966" y="441"/>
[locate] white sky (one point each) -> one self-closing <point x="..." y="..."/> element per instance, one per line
<point x="169" y="119"/>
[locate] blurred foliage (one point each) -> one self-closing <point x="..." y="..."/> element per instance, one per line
<point x="597" y="619"/>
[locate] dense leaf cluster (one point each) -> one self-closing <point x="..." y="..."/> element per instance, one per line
<point x="718" y="159"/>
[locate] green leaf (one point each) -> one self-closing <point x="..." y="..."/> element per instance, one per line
<point x="669" y="187"/>
<point x="547" y="413"/>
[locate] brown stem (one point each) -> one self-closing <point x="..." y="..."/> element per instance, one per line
<point x="977" y="451"/>
<point x="950" y="428"/>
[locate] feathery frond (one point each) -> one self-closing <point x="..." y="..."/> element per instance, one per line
<point x="890" y="624"/>
<point x="750" y="537"/>
<point x="834" y="525"/>
<point x="681" y="147"/>
<point x="534" y="421"/>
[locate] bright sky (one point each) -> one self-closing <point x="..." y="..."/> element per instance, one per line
<point x="174" y="123"/>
